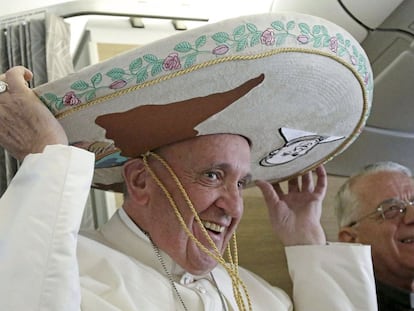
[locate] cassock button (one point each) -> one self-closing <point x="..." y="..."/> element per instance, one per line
<point x="201" y="289"/>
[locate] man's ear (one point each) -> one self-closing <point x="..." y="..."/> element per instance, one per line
<point x="348" y="235"/>
<point x="135" y="177"/>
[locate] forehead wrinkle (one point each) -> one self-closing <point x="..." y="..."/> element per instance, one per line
<point x="391" y="185"/>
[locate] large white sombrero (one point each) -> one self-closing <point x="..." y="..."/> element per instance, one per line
<point x="299" y="87"/>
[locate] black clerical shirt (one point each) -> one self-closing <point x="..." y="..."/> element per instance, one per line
<point x="394" y="299"/>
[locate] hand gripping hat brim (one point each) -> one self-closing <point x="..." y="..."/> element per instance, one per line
<point x="297" y="86"/>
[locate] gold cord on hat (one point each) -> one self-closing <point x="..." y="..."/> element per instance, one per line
<point x="231" y="266"/>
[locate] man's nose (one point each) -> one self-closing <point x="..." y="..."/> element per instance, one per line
<point x="409" y="214"/>
<point x="231" y="201"/>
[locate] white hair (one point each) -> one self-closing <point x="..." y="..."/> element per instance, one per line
<point x="346" y="202"/>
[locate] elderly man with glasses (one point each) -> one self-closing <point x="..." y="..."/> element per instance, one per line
<point x="375" y="207"/>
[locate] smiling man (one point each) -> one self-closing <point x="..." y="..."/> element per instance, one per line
<point x="214" y="169"/>
<point x="375" y="207"/>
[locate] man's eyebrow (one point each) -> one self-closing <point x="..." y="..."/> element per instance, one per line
<point x="227" y="167"/>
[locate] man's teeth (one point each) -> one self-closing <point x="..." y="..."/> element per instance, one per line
<point x="213" y="227"/>
<point x="408" y="241"/>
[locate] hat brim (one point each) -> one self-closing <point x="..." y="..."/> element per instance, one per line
<point x="316" y="80"/>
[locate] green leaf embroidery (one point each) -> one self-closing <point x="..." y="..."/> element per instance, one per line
<point x="239" y="31"/>
<point x="152" y="59"/>
<point x="290" y="25"/>
<point x="135" y="65"/>
<point x="241" y="45"/>
<point x="316" y="29"/>
<point x="79" y="85"/>
<point x="304" y="28"/>
<point x="340" y="38"/>
<point x="59" y="104"/>
<point x="200" y="42"/>
<point x="341" y="51"/>
<point x="156" y="69"/>
<point x="326" y="41"/>
<point x="116" y="73"/>
<point x="280" y="38"/>
<point x="255" y="39"/>
<point x="183" y="47"/>
<point x="96" y="79"/>
<point x="90" y="95"/>
<point x="220" y="37"/>
<point x="50" y="97"/>
<point x="317" y="42"/>
<point x="190" y="60"/>
<point x="277" y="25"/>
<point x="251" y="28"/>
<point x="355" y="51"/>
<point x="142" y="75"/>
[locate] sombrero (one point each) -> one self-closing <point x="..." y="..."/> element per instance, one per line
<point x="297" y="86"/>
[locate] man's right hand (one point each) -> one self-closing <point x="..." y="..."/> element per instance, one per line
<point x="26" y="125"/>
<point x="295" y="215"/>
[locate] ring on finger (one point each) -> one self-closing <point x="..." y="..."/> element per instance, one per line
<point x="3" y="86"/>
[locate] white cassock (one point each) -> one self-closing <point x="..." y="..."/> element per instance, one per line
<point x="46" y="265"/>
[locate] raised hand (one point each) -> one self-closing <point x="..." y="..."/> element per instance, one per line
<point x="295" y="215"/>
<point x="26" y="125"/>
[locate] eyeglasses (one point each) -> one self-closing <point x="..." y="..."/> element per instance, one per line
<point x="389" y="209"/>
